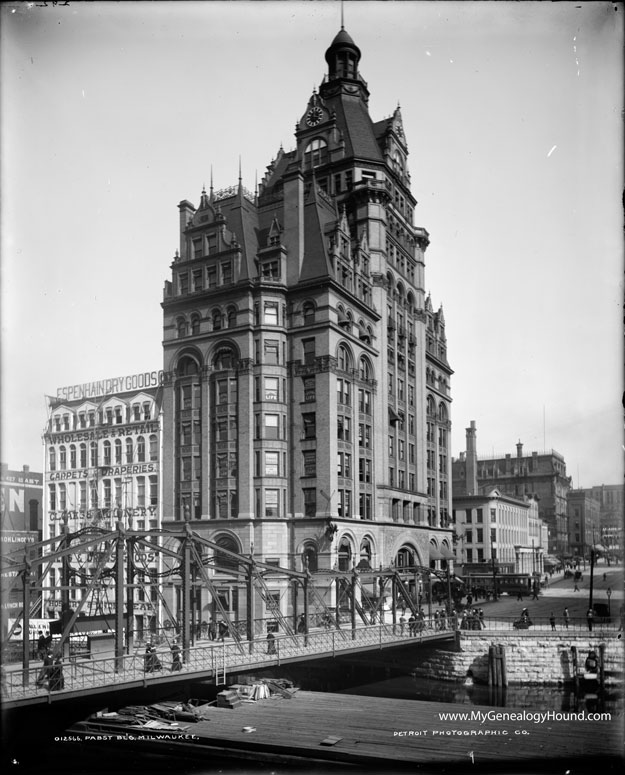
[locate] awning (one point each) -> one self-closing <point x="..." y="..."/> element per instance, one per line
<point x="447" y="553"/>
<point x="435" y="554"/>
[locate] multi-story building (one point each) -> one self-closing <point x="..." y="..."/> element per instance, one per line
<point x="611" y="498"/>
<point x="584" y="523"/>
<point x="102" y="467"/>
<point x="306" y="395"/>
<point x="492" y="527"/>
<point x="539" y="475"/>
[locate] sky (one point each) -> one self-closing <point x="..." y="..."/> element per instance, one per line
<point x="112" y="113"/>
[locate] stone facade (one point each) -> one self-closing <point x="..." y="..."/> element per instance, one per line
<point x="306" y="398"/>
<point x="540" y="658"/>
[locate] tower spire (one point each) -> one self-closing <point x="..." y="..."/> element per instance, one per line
<point x="342" y="16"/>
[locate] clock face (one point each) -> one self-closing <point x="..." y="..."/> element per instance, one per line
<point x="314" y="116"/>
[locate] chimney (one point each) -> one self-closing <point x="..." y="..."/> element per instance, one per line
<point x="519" y="450"/>
<point x="471" y="480"/>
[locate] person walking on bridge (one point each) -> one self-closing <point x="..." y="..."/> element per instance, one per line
<point x="566" y="618"/>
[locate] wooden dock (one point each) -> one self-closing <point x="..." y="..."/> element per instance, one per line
<point x="366" y="732"/>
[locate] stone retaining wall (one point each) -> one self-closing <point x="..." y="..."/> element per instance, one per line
<point x="543" y="658"/>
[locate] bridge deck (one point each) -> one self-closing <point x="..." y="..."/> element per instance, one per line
<point x="92" y="676"/>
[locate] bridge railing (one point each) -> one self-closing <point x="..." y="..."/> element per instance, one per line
<point x="212" y="657"/>
<point x="543" y="623"/>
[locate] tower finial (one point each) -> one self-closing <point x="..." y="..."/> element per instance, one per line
<point x="211" y="188"/>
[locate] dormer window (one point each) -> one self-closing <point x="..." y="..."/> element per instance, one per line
<point x="198" y="247"/>
<point x="316" y="153"/>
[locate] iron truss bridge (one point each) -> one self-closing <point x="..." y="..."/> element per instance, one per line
<point x="313" y="615"/>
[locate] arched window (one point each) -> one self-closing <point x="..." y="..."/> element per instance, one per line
<point x="153" y="447"/>
<point x="187" y="366"/>
<point x="195" y="325"/>
<point x="365" y="554"/>
<point x="365" y="371"/>
<point x="224" y="359"/>
<point x="52" y="458"/>
<point x="128" y="450"/>
<point x="316" y="153"/>
<point x="345" y="554"/>
<point x="406" y="557"/>
<point x="83" y="455"/>
<point x="232" y="317"/>
<point x="430" y="407"/>
<point x="224" y="561"/>
<point x="63" y="458"/>
<point x="118" y="452"/>
<point x="308" y="311"/>
<point x="217" y="320"/>
<point x="181" y="327"/>
<point x="93" y="454"/>
<point x="344" y="358"/>
<point x="106" y="450"/>
<point x="442" y="412"/>
<point x="309" y="558"/>
<point x="72" y="456"/>
<point x="140" y="449"/>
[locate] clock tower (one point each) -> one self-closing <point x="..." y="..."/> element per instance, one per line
<point x="307" y="397"/>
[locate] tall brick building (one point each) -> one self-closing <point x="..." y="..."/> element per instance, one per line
<point x="537" y="475"/>
<point x="306" y="399"/>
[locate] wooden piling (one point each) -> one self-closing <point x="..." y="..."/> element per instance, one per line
<point x="502" y="659"/>
<point x="575" y="667"/>
<point x="601" y="675"/>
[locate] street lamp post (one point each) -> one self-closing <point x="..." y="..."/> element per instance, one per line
<point x="592" y="573"/>
<point x="609" y="594"/>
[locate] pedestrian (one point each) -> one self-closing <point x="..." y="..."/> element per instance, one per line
<point x="56" y="681"/>
<point x="576" y="588"/>
<point x="402" y="624"/>
<point x="147" y="659"/>
<point x="41" y="645"/>
<point x="605" y="576"/>
<point x="589" y="618"/>
<point x="271" y="643"/>
<point x="223" y="630"/>
<point x="301" y="624"/>
<point x="566" y="618"/>
<point x="535" y="591"/>
<point x="480" y="614"/>
<point x="519" y="594"/>
<point x="552" y="621"/>
<point x="176" y="657"/>
<point x="44" y="673"/>
<point x="411" y="625"/>
<point x="212" y="629"/>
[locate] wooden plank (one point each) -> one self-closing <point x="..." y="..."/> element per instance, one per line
<point x="368" y="732"/>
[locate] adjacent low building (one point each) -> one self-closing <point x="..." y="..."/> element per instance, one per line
<point x="21" y="494"/>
